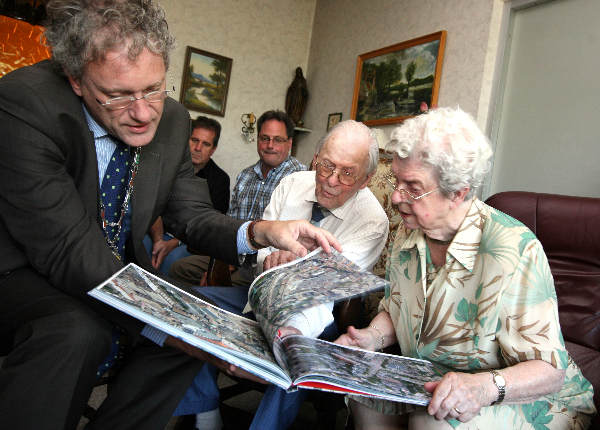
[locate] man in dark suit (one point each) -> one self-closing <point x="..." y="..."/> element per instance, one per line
<point x="203" y="144"/>
<point x="164" y="247"/>
<point x="69" y="127"/>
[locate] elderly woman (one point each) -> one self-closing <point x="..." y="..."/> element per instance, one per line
<point x="471" y="290"/>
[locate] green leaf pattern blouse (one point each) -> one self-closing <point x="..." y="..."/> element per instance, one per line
<point x="492" y="305"/>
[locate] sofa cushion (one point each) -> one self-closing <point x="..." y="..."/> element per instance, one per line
<point x="579" y="306"/>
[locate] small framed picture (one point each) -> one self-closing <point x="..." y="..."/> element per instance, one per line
<point x="205" y="81"/>
<point x="333" y="119"/>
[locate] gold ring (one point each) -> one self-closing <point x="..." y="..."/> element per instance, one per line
<point x="457" y="411"/>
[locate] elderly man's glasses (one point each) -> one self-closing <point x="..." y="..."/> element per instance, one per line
<point x="326" y="169"/>
<point x="263" y="138"/>
<point x="117" y="103"/>
<point x="410" y="197"/>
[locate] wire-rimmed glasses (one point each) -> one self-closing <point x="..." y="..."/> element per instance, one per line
<point x="326" y="169"/>
<point x="391" y="180"/>
<point x="279" y="140"/>
<point x="117" y="103"/>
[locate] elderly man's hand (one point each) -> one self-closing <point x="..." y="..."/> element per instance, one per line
<point x="278" y="258"/>
<point x="298" y="237"/>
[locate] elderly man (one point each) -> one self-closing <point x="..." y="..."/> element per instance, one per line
<point x="336" y="198"/>
<point x="252" y="191"/>
<point x="164" y="247"/>
<point x="92" y="152"/>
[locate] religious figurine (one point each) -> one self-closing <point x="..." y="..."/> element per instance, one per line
<point x="295" y="99"/>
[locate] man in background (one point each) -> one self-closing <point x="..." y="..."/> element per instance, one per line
<point x="203" y="144"/>
<point x="252" y="191"/>
<point x="164" y="247"/>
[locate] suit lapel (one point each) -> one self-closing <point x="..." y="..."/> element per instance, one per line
<point x="145" y="191"/>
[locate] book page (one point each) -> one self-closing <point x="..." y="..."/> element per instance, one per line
<point x="316" y="363"/>
<point x="318" y="278"/>
<point x="149" y="298"/>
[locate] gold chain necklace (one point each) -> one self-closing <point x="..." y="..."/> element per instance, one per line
<point x="112" y="243"/>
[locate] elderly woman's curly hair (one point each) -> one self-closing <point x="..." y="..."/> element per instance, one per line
<point x="83" y="31"/>
<point x="450" y="142"/>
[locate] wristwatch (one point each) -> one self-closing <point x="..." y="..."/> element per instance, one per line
<point x="500" y="385"/>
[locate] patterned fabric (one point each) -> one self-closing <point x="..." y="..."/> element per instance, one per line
<point x="381" y="189"/>
<point x="112" y="193"/>
<point x="491" y="305"/>
<point x="317" y="214"/>
<point x="252" y="191"/>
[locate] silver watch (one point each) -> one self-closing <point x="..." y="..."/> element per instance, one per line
<point x="500" y="384"/>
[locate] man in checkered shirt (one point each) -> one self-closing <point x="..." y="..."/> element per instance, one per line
<point x="252" y="191"/>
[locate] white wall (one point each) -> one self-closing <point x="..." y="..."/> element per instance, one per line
<point x="345" y="29"/>
<point x="547" y="139"/>
<point x="266" y="40"/>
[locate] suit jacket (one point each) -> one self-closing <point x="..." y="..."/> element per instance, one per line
<point x="49" y="191"/>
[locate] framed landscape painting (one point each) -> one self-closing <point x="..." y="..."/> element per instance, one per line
<point x="399" y="81"/>
<point x="205" y="81"/>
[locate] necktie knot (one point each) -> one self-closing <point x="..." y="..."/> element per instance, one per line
<point x="317" y="214"/>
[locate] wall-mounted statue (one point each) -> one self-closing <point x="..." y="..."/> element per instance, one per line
<point x="296" y="97"/>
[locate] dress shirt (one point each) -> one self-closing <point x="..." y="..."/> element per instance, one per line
<point x="360" y="225"/>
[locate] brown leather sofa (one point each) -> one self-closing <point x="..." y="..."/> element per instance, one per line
<point x="569" y="229"/>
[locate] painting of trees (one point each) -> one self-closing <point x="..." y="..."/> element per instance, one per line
<point x="393" y="82"/>
<point x="205" y="81"/>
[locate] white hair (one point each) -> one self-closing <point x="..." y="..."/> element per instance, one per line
<point x="356" y="129"/>
<point x="450" y="142"/>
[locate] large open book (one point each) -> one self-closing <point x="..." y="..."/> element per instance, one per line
<point x="289" y="362"/>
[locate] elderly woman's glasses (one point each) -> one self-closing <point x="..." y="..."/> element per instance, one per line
<point x="326" y="169"/>
<point x="117" y="103"/>
<point x="391" y="179"/>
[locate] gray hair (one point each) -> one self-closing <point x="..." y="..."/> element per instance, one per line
<point x="355" y="128"/>
<point x="83" y="31"/>
<point x="450" y="142"/>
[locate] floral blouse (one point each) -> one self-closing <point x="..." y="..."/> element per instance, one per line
<point x="490" y="306"/>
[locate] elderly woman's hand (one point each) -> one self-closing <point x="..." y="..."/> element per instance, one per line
<point x="365" y="338"/>
<point x="459" y="395"/>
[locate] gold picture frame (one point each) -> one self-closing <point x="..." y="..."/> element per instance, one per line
<point x="398" y="81"/>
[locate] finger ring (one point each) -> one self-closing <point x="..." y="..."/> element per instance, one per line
<point x="457" y="411"/>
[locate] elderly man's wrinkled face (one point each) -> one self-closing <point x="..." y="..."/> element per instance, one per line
<point x="118" y="76"/>
<point x="348" y="156"/>
<point x="430" y="212"/>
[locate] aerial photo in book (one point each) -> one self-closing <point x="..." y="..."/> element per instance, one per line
<point x="278" y="293"/>
<point x="298" y="361"/>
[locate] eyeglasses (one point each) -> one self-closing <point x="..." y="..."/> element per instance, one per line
<point x="117" y="103"/>
<point x="411" y="198"/>
<point x="263" y="138"/>
<point x="326" y="169"/>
